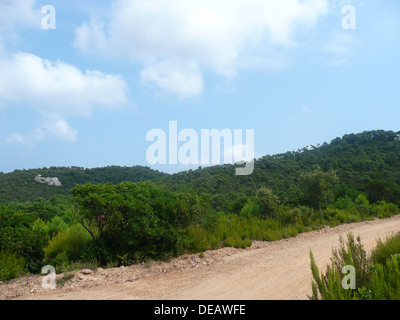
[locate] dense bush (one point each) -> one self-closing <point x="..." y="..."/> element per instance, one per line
<point x="385" y="249"/>
<point x="56" y="225"/>
<point x="11" y="266"/>
<point x="135" y="220"/>
<point x="23" y="234"/>
<point x="385" y="281"/>
<point x="250" y="210"/>
<point x="377" y="278"/>
<point x="70" y="242"/>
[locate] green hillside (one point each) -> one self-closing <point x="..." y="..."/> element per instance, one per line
<point x="20" y="185"/>
<point x="368" y="162"/>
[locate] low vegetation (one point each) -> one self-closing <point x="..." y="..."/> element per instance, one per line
<point x="114" y="225"/>
<point x="376" y="277"/>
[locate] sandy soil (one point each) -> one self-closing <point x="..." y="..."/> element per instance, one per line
<point x="266" y="271"/>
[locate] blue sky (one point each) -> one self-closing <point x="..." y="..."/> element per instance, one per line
<point x="87" y="92"/>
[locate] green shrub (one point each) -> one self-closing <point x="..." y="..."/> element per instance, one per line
<point x="341" y="216"/>
<point x="56" y="225"/>
<point x="344" y="203"/>
<point x="72" y="241"/>
<point x="331" y="213"/>
<point x="382" y="210"/>
<point x="61" y="261"/>
<point x="237" y="242"/>
<point x="353" y="218"/>
<point x="79" y="265"/>
<point x="23" y="234"/>
<point x="385" y="282"/>
<point x="272" y="235"/>
<point x="11" y="266"/>
<point x="289" y="216"/>
<point x="352" y="253"/>
<point x="199" y="239"/>
<point x="136" y="220"/>
<point x="230" y="241"/>
<point x="385" y="249"/>
<point x="250" y="210"/>
<point x="379" y="281"/>
<point x="289" y="232"/>
<point x="327" y="286"/>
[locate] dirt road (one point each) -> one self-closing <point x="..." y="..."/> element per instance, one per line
<point x="266" y="271"/>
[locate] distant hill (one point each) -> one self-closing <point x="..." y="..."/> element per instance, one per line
<point x="367" y="162"/>
<point x="20" y="185"/>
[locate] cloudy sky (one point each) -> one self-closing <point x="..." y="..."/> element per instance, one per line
<point x="85" y="88"/>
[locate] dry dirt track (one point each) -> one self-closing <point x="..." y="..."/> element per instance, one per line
<point x="266" y="271"/>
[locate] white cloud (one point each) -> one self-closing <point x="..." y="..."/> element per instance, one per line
<point x="183" y="79"/>
<point x="15" y="14"/>
<point x="60" y="129"/>
<point x="90" y="37"/>
<point x="57" y="87"/>
<point x="217" y="35"/>
<point x="27" y="140"/>
<point x="56" y="90"/>
<point x="49" y="128"/>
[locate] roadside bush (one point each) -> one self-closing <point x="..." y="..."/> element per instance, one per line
<point x="377" y="278"/>
<point x="136" y="221"/>
<point x="382" y="210"/>
<point x="385" y="282"/>
<point x="328" y="286"/>
<point x="199" y="239"/>
<point x="70" y="242"/>
<point x="11" y="266"/>
<point x="237" y="242"/>
<point x="386" y="249"/>
<point x="289" y="232"/>
<point x="352" y="253"/>
<point x="61" y="261"/>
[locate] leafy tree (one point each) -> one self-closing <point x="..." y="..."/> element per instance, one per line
<point x="135" y="220"/>
<point x="269" y="202"/>
<point x="317" y="187"/>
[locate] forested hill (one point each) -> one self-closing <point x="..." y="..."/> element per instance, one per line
<point x="20" y="185"/>
<point x="368" y="162"/>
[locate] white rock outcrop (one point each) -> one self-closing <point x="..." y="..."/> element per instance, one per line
<point x="49" y="181"/>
